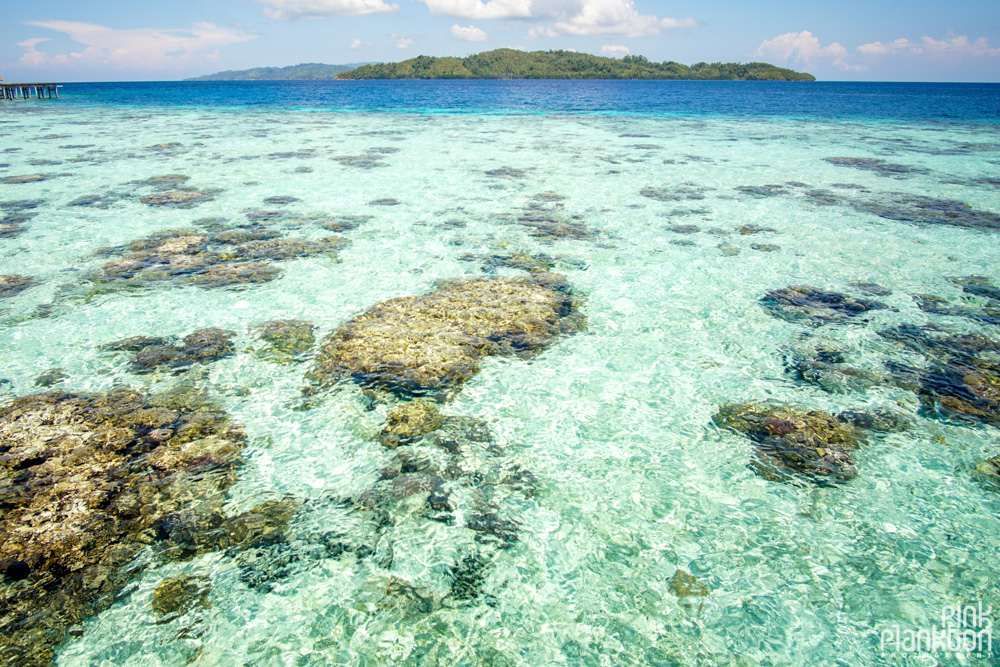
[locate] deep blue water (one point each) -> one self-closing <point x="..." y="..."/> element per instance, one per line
<point x="947" y="102"/>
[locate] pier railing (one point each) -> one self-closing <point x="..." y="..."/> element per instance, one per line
<point x="24" y="91"/>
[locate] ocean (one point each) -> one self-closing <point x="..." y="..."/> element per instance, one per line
<point x="766" y="439"/>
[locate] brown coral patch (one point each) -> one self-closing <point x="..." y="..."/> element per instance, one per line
<point x="435" y="341"/>
<point x="85" y="481"/>
<point x="791" y="441"/>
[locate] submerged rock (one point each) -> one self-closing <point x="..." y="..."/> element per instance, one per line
<point x="761" y="191"/>
<point x="811" y="305"/>
<point x="363" y="161"/>
<point x="749" y="230"/>
<point x="278" y="249"/>
<point x="550" y="222"/>
<point x="50" y="377"/>
<point x="281" y="200"/>
<point x="434" y="342"/>
<point x="12" y="285"/>
<point x="684" y="584"/>
<point x="343" y="223"/>
<point x="85" y="480"/>
<point x="182" y="198"/>
<point x="410" y="421"/>
<point x="979" y="286"/>
<point x="177" y="596"/>
<point x="962" y="380"/>
<point x="164" y="182"/>
<point x="507" y="172"/>
<point x="990" y="469"/>
<point x="881" y="420"/>
<point x="874" y="289"/>
<point x="195" y="531"/>
<point x="469" y="577"/>
<point x="880" y="167"/>
<point x="918" y="209"/>
<point x="235" y="275"/>
<point x="792" y="441"/>
<point x="226" y="258"/>
<point x="826" y="364"/>
<point x="202" y="346"/>
<point x="523" y="261"/>
<point x="287" y="341"/>
<point x="25" y="178"/>
<point x="243" y="235"/>
<point x="683" y="193"/>
<point x="935" y="305"/>
<point x="10" y="229"/>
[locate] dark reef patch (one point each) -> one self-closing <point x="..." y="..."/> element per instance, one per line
<point x="811" y="305"/>
<point x="876" y="165"/>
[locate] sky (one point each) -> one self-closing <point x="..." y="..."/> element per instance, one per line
<point x="850" y="40"/>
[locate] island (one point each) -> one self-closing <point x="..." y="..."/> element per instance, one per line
<point x="515" y="64"/>
<point x="302" y="72"/>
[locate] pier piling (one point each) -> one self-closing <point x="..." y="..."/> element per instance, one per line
<point x="24" y="91"/>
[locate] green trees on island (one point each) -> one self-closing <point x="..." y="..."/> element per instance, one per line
<point x="514" y="64"/>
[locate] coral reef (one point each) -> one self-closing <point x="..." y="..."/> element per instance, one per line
<point x="792" y="441"/>
<point x="50" y="377"/>
<point x="962" y="380"/>
<point x="12" y="285"/>
<point x="880" y="167"/>
<point x="25" y="178"/>
<point x="201" y="346"/>
<point x="225" y="258"/>
<point x="433" y="342"/>
<point x="85" y="482"/>
<point x="410" y="421"/>
<point x="177" y="596"/>
<point x="826" y="364"/>
<point x="810" y="305"/>
<point x="182" y="198"/>
<point x="286" y="341"/>
<point x="918" y="209"/>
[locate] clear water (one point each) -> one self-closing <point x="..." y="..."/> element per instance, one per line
<point x="635" y="482"/>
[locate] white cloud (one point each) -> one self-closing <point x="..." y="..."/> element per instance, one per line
<point x="803" y="47"/>
<point x="358" y="44"/>
<point x="570" y="17"/>
<point x="476" y="9"/>
<point x="955" y="47"/>
<point x="136" y="48"/>
<point x="286" y="10"/>
<point x="469" y="34"/>
<point x="618" y="18"/>
<point x="32" y="57"/>
<point x="615" y="51"/>
<point x="541" y="31"/>
<point x="402" y="42"/>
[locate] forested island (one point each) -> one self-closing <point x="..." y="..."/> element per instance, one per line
<point x="303" y="72"/>
<point x="514" y="64"/>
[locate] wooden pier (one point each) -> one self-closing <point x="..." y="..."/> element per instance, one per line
<point x="24" y="91"/>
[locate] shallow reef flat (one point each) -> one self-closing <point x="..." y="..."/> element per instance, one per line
<point x="303" y="384"/>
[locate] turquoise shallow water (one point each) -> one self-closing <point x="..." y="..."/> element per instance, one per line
<point x="635" y="483"/>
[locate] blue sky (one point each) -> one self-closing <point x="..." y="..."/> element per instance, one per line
<point x="112" y="40"/>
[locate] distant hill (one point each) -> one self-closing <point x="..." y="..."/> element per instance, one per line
<point x="303" y="72"/>
<point x="514" y="64"/>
